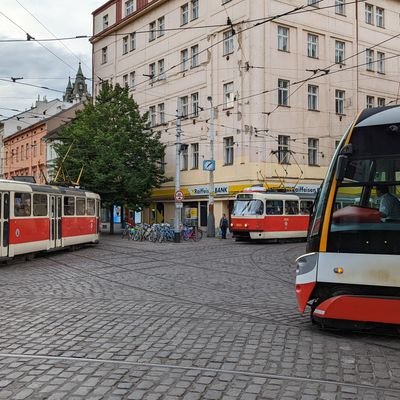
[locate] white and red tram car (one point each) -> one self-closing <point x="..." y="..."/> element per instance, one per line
<point x="258" y="214"/>
<point x="35" y="218"/>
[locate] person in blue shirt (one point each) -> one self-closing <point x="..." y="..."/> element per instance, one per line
<point x="389" y="205"/>
<point x="223" y="224"/>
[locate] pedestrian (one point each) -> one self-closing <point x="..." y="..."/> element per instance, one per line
<point x="389" y="205"/>
<point x="223" y="224"/>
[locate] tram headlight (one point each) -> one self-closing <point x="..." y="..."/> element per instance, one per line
<point x="306" y="263"/>
<point x="246" y="226"/>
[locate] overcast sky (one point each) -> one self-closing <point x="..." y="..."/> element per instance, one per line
<point x="42" y="19"/>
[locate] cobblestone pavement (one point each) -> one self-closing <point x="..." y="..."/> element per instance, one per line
<point x="208" y="320"/>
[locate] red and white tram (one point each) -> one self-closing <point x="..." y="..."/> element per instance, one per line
<point x="258" y="214"/>
<point x="351" y="272"/>
<point x="35" y="218"/>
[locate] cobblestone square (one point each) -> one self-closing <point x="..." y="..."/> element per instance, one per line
<point x="215" y="319"/>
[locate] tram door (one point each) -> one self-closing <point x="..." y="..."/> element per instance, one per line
<point x="55" y="222"/>
<point x="4" y="223"/>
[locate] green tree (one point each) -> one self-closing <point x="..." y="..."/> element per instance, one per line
<point x="120" y="155"/>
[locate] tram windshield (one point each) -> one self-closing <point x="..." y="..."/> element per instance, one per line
<point x="366" y="210"/>
<point x="248" y="207"/>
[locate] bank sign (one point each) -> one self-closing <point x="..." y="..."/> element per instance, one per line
<point x="303" y="189"/>
<point x="203" y="190"/>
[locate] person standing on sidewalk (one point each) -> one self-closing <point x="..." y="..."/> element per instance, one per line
<point x="223" y="224"/>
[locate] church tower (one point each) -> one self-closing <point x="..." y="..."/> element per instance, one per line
<point x="78" y="90"/>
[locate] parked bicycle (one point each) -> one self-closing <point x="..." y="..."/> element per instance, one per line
<point x="192" y="233"/>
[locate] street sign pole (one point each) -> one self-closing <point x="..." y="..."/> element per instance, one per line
<point x="210" y="217"/>
<point x="178" y="204"/>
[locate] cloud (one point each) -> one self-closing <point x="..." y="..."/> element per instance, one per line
<point x="39" y="66"/>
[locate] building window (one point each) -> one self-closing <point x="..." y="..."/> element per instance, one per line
<point x="369" y="59"/>
<point x="129" y="7"/>
<point x="340" y="7"/>
<point x="152" y="31"/>
<point x="152" y="71"/>
<point x="228" y="95"/>
<point x="369" y="14"/>
<point x="195" y="9"/>
<point x="370" y="103"/>
<point x="194" y="58"/>
<point x="184" y="106"/>
<point x="381" y="102"/>
<point x="313" y="3"/>
<point x="105" y="21"/>
<point x="283" y="92"/>
<point x="161" y="70"/>
<point x="34" y="148"/>
<point x="161" y="113"/>
<point x="184" y="60"/>
<point x="26" y="151"/>
<point x="228" y="150"/>
<point x="312" y="45"/>
<point x="228" y="42"/>
<point x="313" y="151"/>
<point x="152" y="116"/>
<point x="195" y="104"/>
<point x="17" y="154"/>
<point x="339" y="52"/>
<point x="195" y="155"/>
<point x="380" y="17"/>
<point x="185" y="157"/>
<point x="132" y="41"/>
<point x="104" y="55"/>
<point x="125" y="45"/>
<point x="339" y="101"/>
<point x="283" y="38"/>
<point x="380" y="62"/>
<point x="161" y="27"/>
<point x="125" y="80"/>
<point x="185" y="14"/>
<point x="132" y="79"/>
<point x="312" y="97"/>
<point x="283" y="149"/>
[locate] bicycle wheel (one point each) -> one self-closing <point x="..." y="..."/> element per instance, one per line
<point x="198" y="235"/>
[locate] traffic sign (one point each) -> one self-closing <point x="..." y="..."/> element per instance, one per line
<point x="178" y="195"/>
<point x="208" y="165"/>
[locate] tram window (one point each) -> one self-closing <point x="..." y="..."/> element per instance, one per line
<point x="22" y="204"/>
<point x="91" y="207"/>
<point x="274" y="207"/>
<point x="291" y="207"/>
<point x="80" y="206"/>
<point x="69" y="205"/>
<point x="39" y="205"/>
<point x="305" y="207"/>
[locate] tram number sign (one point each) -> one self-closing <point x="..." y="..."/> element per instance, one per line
<point x="178" y="196"/>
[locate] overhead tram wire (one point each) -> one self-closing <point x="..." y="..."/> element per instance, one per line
<point x="51" y="33"/>
<point x="31" y="38"/>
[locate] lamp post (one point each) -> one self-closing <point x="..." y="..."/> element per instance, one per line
<point x="210" y="216"/>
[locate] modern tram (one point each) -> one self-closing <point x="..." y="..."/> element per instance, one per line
<point x="259" y="215"/>
<point x="351" y="272"/>
<point x="36" y="218"/>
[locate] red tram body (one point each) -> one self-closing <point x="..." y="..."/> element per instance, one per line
<point x="259" y="215"/>
<point x="35" y="218"/>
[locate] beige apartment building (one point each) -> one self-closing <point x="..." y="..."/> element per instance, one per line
<point x="266" y="88"/>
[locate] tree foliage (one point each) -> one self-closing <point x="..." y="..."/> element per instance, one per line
<point x="120" y="155"/>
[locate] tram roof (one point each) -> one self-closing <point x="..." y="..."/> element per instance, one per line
<point x="379" y="116"/>
<point x="271" y="196"/>
<point x="6" y="184"/>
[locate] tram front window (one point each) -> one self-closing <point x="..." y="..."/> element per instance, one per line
<point x="358" y="223"/>
<point x="248" y="207"/>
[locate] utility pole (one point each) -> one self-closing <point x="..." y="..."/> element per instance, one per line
<point x="178" y="204"/>
<point x="210" y="217"/>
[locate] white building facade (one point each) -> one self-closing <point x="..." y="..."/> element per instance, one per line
<point x="284" y="82"/>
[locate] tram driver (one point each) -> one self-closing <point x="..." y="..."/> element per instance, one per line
<point x="389" y="205"/>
